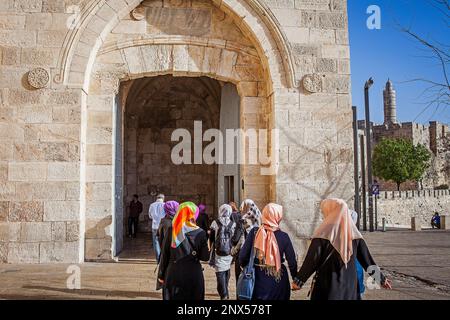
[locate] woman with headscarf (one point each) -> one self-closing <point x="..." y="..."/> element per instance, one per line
<point x="272" y="247"/>
<point x="335" y="247"/>
<point x="184" y="246"/>
<point x="250" y="217"/>
<point x="222" y="231"/>
<point x="165" y="227"/>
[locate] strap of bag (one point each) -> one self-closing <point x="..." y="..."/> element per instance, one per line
<point x="252" y="255"/>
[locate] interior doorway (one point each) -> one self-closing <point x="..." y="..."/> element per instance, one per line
<point x="148" y="110"/>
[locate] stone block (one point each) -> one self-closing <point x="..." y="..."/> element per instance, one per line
<point x="72" y="191"/>
<point x="99" y="173"/>
<point x="6" y="152"/>
<point x="27" y="171"/>
<point x="34" y="114"/>
<point x="11" y="132"/>
<point x="99" y="119"/>
<point x="27" y="211"/>
<point x="18" y="38"/>
<point x="9" y="56"/>
<point x="63" y="171"/>
<point x="3" y="252"/>
<point x="61" y="210"/>
<point x="98" y="209"/>
<point x="98" y="249"/>
<point x="7" y="190"/>
<point x="28" y="5"/>
<point x="53" y="6"/>
<point x="17" y="97"/>
<point x="72" y="231"/>
<point x="41" y="190"/>
<point x="51" y="38"/>
<point x="12" y="22"/>
<point x="445" y="222"/>
<point x="98" y="191"/>
<point x="35" y="232"/>
<point x="4" y="210"/>
<point x="39" y="57"/>
<point x="60" y="252"/>
<point x="23" y="252"/>
<point x="415" y="224"/>
<point x="99" y="154"/>
<point x="58" y="231"/>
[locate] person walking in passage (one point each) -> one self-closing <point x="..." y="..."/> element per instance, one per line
<point x="250" y="218"/>
<point x="221" y="233"/>
<point x="202" y="219"/>
<point x="272" y="247"/>
<point x="235" y="214"/>
<point x="135" y="209"/>
<point x="164" y="230"/>
<point x="156" y="213"/>
<point x="180" y="270"/>
<point x="335" y="247"/>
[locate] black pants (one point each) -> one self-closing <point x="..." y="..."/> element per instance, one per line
<point x="132" y="226"/>
<point x="223" y="278"/>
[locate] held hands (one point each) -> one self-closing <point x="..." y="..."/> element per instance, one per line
<point x="387" y="284"/>
<point x="295" y="287"/>
<point x="161" y="281"/>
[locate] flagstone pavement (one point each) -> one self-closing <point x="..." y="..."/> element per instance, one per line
<point x="417" y="262"/>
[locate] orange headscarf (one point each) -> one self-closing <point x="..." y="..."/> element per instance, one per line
<point x="183" y="222"/>
<point x="266" y="245"/>
<point x="338" y="227"/>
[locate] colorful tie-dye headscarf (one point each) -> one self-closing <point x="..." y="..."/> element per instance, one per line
<point x="171" y="208"/>
<point x="182" y="222"/>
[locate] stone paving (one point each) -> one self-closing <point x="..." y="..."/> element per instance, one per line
<point x="417" y="262"/>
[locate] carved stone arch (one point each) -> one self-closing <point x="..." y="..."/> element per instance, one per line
<point x="98" y="17"/>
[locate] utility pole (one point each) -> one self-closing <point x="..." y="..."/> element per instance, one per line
<point x="355" y="163"/>
<point x="367" y="86"/>
<point x="363" y="181"/>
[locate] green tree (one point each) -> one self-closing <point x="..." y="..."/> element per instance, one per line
<point x="399" y="160"/>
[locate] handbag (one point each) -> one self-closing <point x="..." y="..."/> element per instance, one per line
<point x="246" y="281"/>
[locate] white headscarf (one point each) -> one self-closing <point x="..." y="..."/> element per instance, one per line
<point x="225" y="211"/>
<point x="338" y="227"/>
<point x="250" y="213"/>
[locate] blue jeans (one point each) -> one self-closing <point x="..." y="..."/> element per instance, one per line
<point x="156" y="243"/>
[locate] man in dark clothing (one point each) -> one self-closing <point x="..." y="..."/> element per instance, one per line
<point x="235" y="214"/>
<point x="436" y="221"/>
<point x="203" y="219"/>
<point x="135" y="209"/>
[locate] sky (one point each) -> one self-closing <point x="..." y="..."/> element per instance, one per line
<point x="390" y="53"/>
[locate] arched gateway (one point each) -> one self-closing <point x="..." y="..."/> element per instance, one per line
<point x="110" y="80"/>
<point x="182" y="39"/>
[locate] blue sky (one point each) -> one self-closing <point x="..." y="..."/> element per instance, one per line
<point x="389" y="53"/>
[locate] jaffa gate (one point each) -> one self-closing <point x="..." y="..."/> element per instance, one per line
<point x="92" y="94"/>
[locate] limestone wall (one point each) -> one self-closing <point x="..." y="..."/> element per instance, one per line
<point x="399" y="207"/>
<point x="289" y="60"/>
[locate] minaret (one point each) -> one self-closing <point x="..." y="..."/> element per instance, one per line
<point x="390" y="104"/>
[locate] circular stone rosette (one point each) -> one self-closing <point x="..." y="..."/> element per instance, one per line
<point x="312" y="83"/>
<point x="38" y="78"/>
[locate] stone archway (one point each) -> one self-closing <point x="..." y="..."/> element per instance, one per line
<point x="129" y="57"/>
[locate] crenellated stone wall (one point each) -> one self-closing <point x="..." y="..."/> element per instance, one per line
<point x="399" y="207"/>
